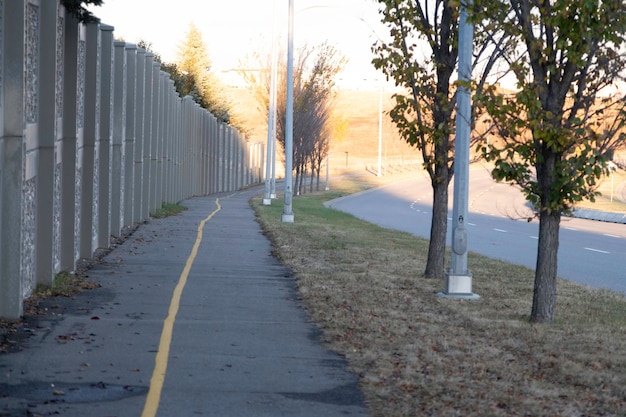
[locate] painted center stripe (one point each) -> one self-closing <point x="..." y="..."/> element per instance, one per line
<point x="610" y="235"/>
<point x="597" y="250"/>
<point x="160" y="362"/>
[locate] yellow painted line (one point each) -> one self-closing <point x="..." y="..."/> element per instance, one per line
<point x="160" y="362"/>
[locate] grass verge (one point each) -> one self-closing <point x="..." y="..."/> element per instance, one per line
<point x="419" y="355"/>
<point x="168" y="209"/>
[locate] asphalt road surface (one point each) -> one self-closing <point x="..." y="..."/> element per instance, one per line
<point x="590" y="252"/>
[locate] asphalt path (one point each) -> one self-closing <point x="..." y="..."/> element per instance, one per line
<point x="590" y="252"/>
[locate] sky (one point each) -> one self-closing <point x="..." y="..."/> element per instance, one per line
<point x="233" y="29"/>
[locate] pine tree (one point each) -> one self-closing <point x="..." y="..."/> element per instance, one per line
<point x="193" y="61"/>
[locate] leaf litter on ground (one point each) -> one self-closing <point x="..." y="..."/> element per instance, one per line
<point x="420" y="355"/>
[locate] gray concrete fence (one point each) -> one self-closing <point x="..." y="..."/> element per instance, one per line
<point x="93" y="138"/>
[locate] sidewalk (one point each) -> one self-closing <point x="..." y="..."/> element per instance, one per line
<point x="241" y="345"/>
<point x="600" y="216"/>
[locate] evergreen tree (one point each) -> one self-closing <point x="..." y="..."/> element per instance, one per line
<point x="78" y="10"/>
<point x="201" y="84"/>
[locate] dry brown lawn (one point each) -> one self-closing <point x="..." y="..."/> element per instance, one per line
<point x="420" y="355"/>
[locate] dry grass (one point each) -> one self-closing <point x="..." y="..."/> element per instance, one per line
<point x="420" y="355"/>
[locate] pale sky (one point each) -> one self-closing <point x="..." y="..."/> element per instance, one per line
<point x="231" y="29"/>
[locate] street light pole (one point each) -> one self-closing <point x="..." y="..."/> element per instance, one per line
<point x="273" y="115"/>
<point x="380" y="131"/>
<point x="458" y="277"/>
<point x="270" y="180"/>
<point x="287" y="216"/>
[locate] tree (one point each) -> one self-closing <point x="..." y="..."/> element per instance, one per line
<point x="314" y="72"/>
<point x="313" y="95"/>
<point x="198" y="81"/>
<point x="78" y="10"/>
<point x="184" y="83"/>
<point x="559" y="128"/>
<point x="422" y="56"/>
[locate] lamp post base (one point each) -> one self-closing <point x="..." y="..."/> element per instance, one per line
<point x="458" y="286"/>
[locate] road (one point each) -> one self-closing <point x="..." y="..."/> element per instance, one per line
<point x="590" y="252"/>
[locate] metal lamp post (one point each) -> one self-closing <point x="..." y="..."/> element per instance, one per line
<point x="270" y="179"/>
<point x="458" y="277"/>
<point x="287" y="216"/>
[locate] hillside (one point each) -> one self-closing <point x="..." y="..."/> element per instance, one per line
<point x="359" y="147"/>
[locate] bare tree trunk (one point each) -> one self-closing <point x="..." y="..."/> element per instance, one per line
<point x="544" y="293"/>
<point x="303" y="179"/>
<point x="317" y="178"/>
<point x="438" y="228"/>
<point x="297" y="183"/>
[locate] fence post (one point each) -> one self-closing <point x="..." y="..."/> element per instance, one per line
<point x="245" y="169"/>
<point x="80" y="139"/>
<point x="130" y="133"/>
<point x="175" y="148"/>
<point x="139" y="134"/>
<point x="58" y="139"/>
<point x="180" y="150"/>
<point x="205" y="152"/>
<point x="67" y="145"/>
<point x="240" y="160"/>
<point x="49" y="53"/>
<point x="157" y="129"/>
<point x="103" y="145"/>
<point x="197" y="150"/>
<point x="236" y="161"/>
<point x="185" y="130"/>
<point x="147" y="137"/>
<point x="168" y="140"/>
<point x="221" y="155"/>
<point x="32" y="26"/>
<point x="11" y="156"/>
<point x="228" y="155"/>
<point x="87" y="157"/>
<point x="163" y="126"/>
<point x="118" y="172"/>
<point x="170" y="144"/>
<point x="213" y="157"/>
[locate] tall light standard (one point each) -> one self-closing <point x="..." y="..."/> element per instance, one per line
<point x="287" y="216"/>
<point x="380" y="131"/>
<point x="458" y="277"/>
<point x="270" y="163"/>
